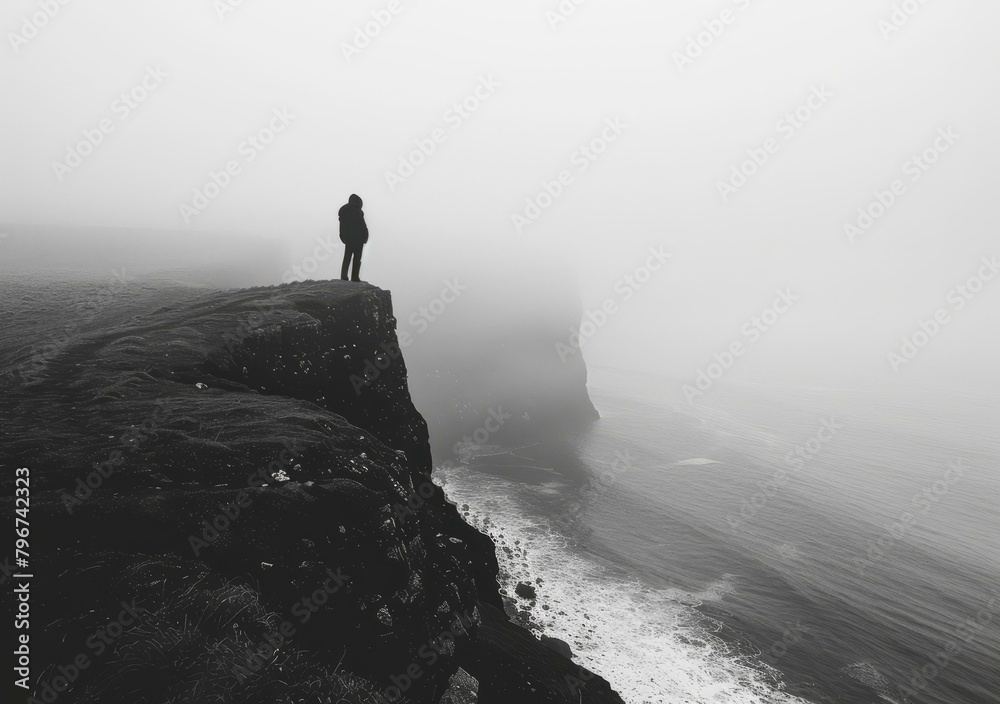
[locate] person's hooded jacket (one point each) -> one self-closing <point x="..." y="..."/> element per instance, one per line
<point x="353" y="229"/>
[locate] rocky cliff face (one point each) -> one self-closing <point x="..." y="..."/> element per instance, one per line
<point x="230" y="504"/>
<point x="503" y="341"/>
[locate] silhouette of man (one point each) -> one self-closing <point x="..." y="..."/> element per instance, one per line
<point x="354" y="235"/>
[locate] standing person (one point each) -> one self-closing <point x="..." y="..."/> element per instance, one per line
<point x="354" y="235"/>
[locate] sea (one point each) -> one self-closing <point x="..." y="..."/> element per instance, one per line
<point x="762" y="544"/>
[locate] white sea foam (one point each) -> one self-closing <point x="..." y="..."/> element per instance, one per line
<point x="653" y="646"/>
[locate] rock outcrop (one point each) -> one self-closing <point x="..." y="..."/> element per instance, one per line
<point x="228" y="504"/>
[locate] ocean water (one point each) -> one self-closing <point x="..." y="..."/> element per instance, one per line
<point x="768" y="544"/>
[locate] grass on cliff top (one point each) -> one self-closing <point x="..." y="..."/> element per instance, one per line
<point x="207" y="643"/>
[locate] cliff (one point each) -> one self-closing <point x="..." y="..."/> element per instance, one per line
<point x="496" y="344"/>
<point x="224" y="507"/>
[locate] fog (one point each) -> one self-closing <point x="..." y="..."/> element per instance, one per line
<point x="613" y="119"/>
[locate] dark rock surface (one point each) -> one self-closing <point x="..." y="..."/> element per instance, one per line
<point x="217" y="462"/>
<point x="462" y="689"/>
<point x="560" y="646"/>
<point x="525" y="591"/>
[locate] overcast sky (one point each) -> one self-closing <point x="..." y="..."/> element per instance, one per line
<point x="671" y="117"/>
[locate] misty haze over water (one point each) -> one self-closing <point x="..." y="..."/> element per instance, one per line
<point x="765" y="228"/>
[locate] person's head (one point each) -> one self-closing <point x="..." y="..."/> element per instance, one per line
<point x="355" y="200"/>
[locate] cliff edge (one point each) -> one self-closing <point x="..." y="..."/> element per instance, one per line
<point x="221" y="512"/>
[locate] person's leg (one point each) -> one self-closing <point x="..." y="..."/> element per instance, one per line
<point x="347" y="262"/>
<point x="356" y="273"/>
